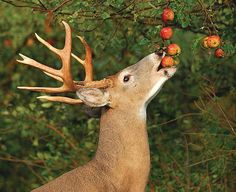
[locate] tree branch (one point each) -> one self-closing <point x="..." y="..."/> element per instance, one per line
<point x="61" y="5"/>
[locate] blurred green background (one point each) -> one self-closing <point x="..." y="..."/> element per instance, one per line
<point x="191" y="122"/>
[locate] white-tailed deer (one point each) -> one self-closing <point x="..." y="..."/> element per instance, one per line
<point x="122" y="159"/>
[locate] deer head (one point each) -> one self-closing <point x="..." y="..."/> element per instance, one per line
<point x="138" y="84"/>
<point x="134" y="86"/>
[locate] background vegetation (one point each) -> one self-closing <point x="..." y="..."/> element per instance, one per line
<point x="191" y="123"/>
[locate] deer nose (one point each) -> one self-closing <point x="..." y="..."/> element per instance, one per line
<point x="160" y="52"/>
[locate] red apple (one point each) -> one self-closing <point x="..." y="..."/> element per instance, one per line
<point x="204" y="42"/>
<point x="7" y="42"/>
<point x="173" y="49"/>
<point x="167" y="61"/>
<point x="166" y="33"/>
<point x="167" y="15"/>
<point x="30" y="41"/>
<point x="213" y="41"/>
<point x="219" y="53"/>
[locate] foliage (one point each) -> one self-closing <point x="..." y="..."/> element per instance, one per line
<point x="191" y="123"/>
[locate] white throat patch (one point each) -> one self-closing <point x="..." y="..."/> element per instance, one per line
<point x="152" y="93"/>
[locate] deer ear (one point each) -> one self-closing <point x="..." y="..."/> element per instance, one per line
<point x="93" y="97"/>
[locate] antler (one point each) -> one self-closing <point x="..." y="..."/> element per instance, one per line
<point x="87" y="63"/>
<point x="64" y="74"/>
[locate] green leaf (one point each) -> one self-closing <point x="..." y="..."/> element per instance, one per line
<point x="105" y="15"/>
<point x="47" y="105"/>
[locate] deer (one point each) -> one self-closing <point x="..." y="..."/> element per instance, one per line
<point x="122" y="160"/>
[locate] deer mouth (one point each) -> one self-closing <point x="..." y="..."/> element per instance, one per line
<point x="160" y="67"/>
<point x="169" y="71"/>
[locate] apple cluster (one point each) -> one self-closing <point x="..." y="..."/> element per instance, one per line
<point x="166" y="33"/>
<point x="213" y="41"/>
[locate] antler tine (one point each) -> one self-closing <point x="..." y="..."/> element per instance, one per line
<point x="44" y="89"/>
<point x="66" y="60"/>
<point x="87" y="63"/>
<point x="48" y="45"/>
<point x="28" y="61"/>
<point x="54" y="76"/>
<point x="61" y="99"/>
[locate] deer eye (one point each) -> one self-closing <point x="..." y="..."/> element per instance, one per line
<point x="126" y="78"/>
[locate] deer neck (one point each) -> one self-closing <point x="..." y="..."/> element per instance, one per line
<point x="123" y="143"/>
